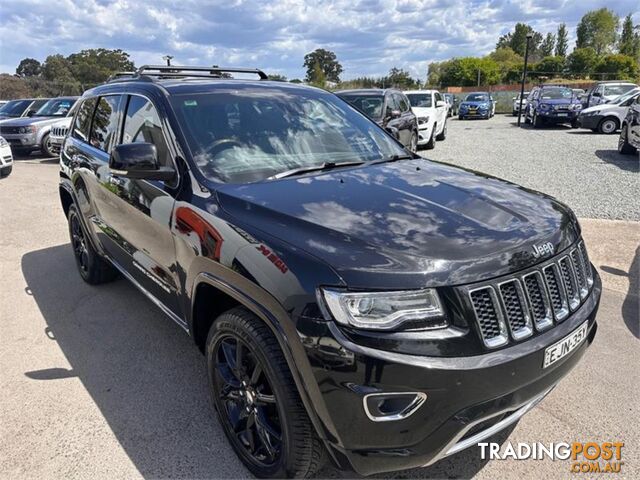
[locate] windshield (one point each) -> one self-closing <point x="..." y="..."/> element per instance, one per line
<point x="419" y="99"/>
<point x="240" y="135"/>
<point x="616" y="90"/>
<point x="526" y="94"/>
<point x="369" y="104"/>
<point x="477" y="97"/>
<point x="14" y="108"/>
<point x="56" y="107"/>
<point x="625" y="96"/>
<point x="556" y="93"/>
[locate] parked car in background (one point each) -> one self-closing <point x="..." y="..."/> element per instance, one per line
<point x="390" y="109"/>
<point x="516" y="103"/>
<point x="28" y="134"/>
<point x="24" y="107"/>
<point x="477" y="105"/>
<point x="58" y="133"/>
<point x="552" y="104"/>
<point x="6" y="158"/>
<point x="453" y="103"/>
<point x="629" y="140"/>
<point x="431" y="110"/>
<point x="607" y="117"/>
<point x="602" y="92"/>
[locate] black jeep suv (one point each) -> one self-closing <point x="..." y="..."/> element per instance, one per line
<point x="351" y="299"/>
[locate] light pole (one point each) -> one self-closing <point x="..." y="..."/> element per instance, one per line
<point x="524" y="75"/>
<point x="167" y="58"/>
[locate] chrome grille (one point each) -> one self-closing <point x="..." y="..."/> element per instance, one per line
<point x="513" y="307"/>
<point x="59" y="131"/>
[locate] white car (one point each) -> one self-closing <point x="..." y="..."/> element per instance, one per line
<point x="6" y="158"/>
<point x="516" y="104"/>
<point x="58" y="133"/>
<point x="607" y="117"/>
<point x="431" y="109"/>
<point x="603" y="92"/>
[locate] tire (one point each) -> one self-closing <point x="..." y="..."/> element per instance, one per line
<point x="255" y="402"/>
<point x="6" y="171"/>
<point x="431" y="144"/>
<point x="514" y="113"/>
<point x="443" y="133"/>
<point x="460" y="117"/>
<point x="574" y="123"/>
<point x="608" y="125"/>
<point x="45" y="146"/>
<point x="413" y="143"/>
<point x="92" y="267"/>
<point x="537" y="121"/>
<point x="624" y="147"/>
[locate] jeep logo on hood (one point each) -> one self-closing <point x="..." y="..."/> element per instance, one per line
<point x="543" y="249"/>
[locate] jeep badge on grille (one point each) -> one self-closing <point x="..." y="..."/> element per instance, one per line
<point x="543" y="249"/>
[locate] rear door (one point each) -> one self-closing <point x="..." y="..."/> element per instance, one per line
<point x="405" y="123"/>
<point x="136" y="214"/>
<point x="441" y="112"/>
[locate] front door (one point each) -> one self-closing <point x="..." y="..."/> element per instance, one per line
<point x="136" y="214"/>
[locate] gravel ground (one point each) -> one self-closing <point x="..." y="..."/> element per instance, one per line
<point x="577" y="166"/>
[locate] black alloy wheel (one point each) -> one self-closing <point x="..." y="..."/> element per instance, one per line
<point x="79" y="244"/>
<point x="247" y="399"/>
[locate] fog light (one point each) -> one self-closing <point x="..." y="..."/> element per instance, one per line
<point x="387" y="407"/>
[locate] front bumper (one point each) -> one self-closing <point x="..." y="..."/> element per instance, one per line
<point x="474" y="113"/>
<point x="22" y="140"/>
<point x="55" y="143"/>
<point x="467" y="398"/>
<point x="554" y="116"/>
<point x="589" y="121"/>
<point x="424" y="133"/>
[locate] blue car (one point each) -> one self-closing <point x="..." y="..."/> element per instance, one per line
<point x="477" y="105"/>
<point x="552" y="104"/>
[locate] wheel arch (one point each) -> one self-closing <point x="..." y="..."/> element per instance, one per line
<point x="278" y="321"/>
<point x="610" y="117"/>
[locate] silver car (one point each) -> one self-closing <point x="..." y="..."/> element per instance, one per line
<point x="516" y="103"/>
<point x="32" y="133"/>
<point x="23" y="107"/>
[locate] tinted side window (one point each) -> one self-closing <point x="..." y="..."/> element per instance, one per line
<point x="404" y="104"/>
<point x="392" y="104"/>
<point x="82" y="121"/>
<point x="142" y="124"/>
<point x="105" y="123"/>
<point x="438" y="97"/>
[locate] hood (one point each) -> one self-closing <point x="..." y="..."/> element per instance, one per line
<point x="475" y="103"/>
<point x="558" y="101"/>
<point x="37" y="121"/>
<point x="599" y="108"/>
<point x="422" y="111"/>
<point x="407" y="224"/>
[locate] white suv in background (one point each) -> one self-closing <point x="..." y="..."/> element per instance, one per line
<point x="6" y="158"/>
<point x="603" y="92"/>
<point x="431" y="109"/>
<point x="58" y="133"/>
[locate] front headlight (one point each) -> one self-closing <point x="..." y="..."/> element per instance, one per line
<point x="3" y="142"/>
<point x="386" y="310"/>
<point x="423" y="120"/>
<point x="27" y="129"/>
<point x="588" y="114"/>
<point x="576" y="106"/>
<point x="544" y="106"/>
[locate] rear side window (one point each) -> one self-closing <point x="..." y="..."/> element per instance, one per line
<point x="142" y="124"/>
<point x="105" y="123"/>
<point x="82" y="121"/>
<point x="392" y="104"/>
<point x="404" y="104"/>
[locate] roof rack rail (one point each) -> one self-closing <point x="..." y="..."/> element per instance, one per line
<point x="187" y="71"/>
<point x="117" y="75"/>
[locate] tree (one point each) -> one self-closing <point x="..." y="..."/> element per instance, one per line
<point x="29" y="67"/>
<point x="13" y="87"/>
<point x="582" y="61"/>
<point x="562" y="41"/>
<point x="550" y="66"/>
<point x="517" y="40"/>
<point x="96" y="65"/>
<point x="326" y="61"/>
<point x="618" y="66"/>
<point x="400" y="78"/>
<point x="277" y="77"/>
<point x="597" y="29"/>
<point x="317" y="77"/>
<point x="57" y="68"/>
<point x="465" y="72"/>
<point x="295" y="80"/>
<point x="510" y="63"/>
<point x="629" y="43"/>
<point x="548" y="45"/>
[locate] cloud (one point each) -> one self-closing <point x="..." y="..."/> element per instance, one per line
<point x="368" y="36"/>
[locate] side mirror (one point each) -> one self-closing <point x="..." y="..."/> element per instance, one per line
<point x="440" y="103"/>
<point x="596" y="94"/>
<point x="31" y="113"/>
<point x="138" y="160"/>
<point x="395" y="114"/>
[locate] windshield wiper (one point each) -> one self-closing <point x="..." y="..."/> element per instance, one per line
<point x="393" y="158"/>
<point x="314" y="168"/>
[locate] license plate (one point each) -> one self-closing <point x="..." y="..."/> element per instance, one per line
<point x="565" y="346"/>
<point x="563" y="114"/>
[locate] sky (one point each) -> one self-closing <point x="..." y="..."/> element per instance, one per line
<point x="368" y="36"/>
